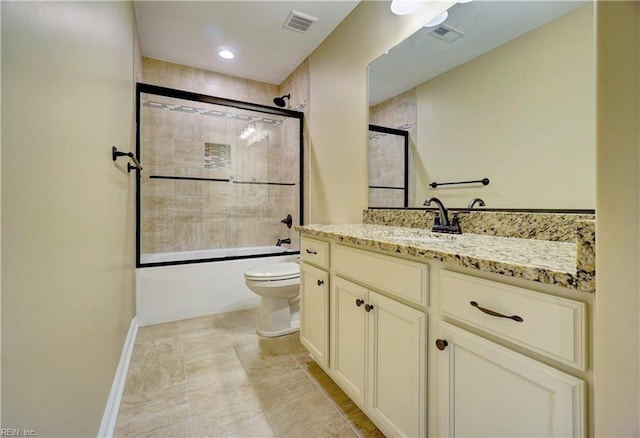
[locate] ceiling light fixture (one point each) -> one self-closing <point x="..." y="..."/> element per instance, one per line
<point x="226" y="54"/>
<point x="438" y="20"/>
<point x="404" y="7"/>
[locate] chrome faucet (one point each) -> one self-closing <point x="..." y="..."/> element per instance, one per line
<point x="444" y="217"/>
<point x="475" y="201"/>
<point x="441" y="222"/>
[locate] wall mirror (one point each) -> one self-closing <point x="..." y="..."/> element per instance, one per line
<point x="502" y="90"/>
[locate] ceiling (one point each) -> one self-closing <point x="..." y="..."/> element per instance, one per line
<point x="192" y="32"/>
<point x="485" y="25"/>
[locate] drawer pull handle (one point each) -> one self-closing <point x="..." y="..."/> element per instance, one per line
<point x="359" y="302"/>
<point x="368" y="307"/>
<point x="312" y="252"/>
<point x="496" y="314"/>
<point x="320" y="282"/>
<point x="441" y="344"/>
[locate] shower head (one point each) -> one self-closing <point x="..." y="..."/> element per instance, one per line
<point x="279" y="101"/>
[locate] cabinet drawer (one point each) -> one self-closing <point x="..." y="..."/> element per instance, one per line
<point x="315" y="252"/>
<point x="395" y="276"/>
<point x="552" y="326"/>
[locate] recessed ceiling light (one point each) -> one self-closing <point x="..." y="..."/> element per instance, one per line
<point x="404" y="7"/>
<point x="438" y="20"/>
<point x="226" y="54"/>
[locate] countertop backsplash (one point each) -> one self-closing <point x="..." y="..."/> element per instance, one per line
<point x="556" y="227"/>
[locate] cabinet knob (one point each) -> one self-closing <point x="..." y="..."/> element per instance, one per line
<point x="359" y="302"/>
<point x="441" y="344"/>
<point x="368" y="307"/>
<point x="320" y="282"/>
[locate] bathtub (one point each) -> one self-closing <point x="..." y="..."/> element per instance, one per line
<point x="174" y="292"/>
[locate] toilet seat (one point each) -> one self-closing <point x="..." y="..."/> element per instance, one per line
<point x="275" y="272"/>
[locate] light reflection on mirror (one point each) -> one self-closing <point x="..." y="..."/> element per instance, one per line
<point x="512" y="100"/>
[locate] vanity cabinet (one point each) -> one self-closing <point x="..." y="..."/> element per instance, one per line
<point x="314" y="312"/>
<point x="506" y="356"/>
<point x="379" y="343"/>
<point x="314" y="299"/>
<point x="487" y="389"/>
<point x="379" y="349"/>
<point x="549" y="325"/>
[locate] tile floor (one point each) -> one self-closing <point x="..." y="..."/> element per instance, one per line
<point x="214" y="376"/>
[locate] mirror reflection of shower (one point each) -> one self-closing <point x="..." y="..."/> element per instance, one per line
<point x="388" y="167"/>
<point x="218" y="178"/>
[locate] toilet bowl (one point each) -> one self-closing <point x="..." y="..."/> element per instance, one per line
<point x="279" y="288"/>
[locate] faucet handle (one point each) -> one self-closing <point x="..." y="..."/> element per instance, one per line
<point x="455" y="224"/>
<point x="436" y="220"/>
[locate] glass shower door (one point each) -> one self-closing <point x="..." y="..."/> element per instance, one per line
<point x="218" y="180"/>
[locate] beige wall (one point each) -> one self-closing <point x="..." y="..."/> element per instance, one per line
<point x="521" y="115"/>
<point x="68" y="210"/>
<point x="339" y="110"/>
<point x="616" y="349"/>
<point x="181" y="77"/>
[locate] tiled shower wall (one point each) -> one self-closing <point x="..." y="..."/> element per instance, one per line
<point x="193" y="215"/>
<point x="398" y="112"/>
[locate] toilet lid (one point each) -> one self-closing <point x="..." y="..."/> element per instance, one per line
<point x="277" y="271"/>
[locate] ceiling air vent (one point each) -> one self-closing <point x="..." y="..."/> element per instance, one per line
<point x="299" y="22"/>
<point x="446" y="33"/>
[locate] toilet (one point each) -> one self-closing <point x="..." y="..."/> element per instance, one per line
<point x="279" y="288"/>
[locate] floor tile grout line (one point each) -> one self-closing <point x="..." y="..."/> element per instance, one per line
<point x="324" y="393"/>
<point x="333" y="403"/>
<point x="262" y="406"/>
<point x="186" y="380"/>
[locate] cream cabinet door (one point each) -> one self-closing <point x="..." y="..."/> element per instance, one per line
<point x="486" y="390"/>
<point x="349" y="337"/>
<point x="314" y="312"/>
<point x="396" y="394"/>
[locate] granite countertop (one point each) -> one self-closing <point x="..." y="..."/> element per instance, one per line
<point x="535" y="260"/>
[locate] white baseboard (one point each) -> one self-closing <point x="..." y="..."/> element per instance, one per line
<point x="110" y="416"/>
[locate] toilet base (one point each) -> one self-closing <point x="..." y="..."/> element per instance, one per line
<point x="295" y="327"/>
<point x="278" y="316"/>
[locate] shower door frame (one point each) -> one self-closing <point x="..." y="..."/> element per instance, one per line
<point x="405" y="138"/>
<point x="204" y="98"/>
